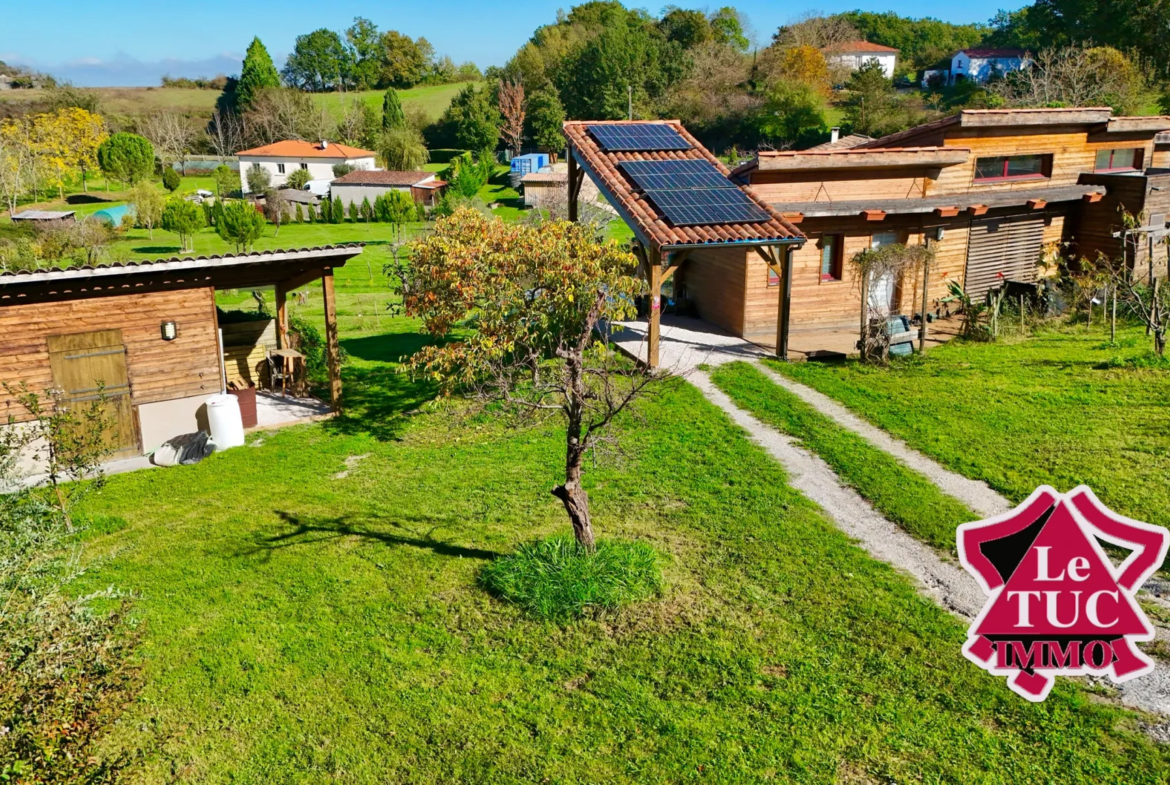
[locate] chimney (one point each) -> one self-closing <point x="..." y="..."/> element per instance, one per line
<point x="324" y="145"/>
<point x="835" y="134"/>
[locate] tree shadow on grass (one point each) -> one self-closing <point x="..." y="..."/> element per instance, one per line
<point x="154" y="249"/>
<point x="380" y="399"/>
<point x="307" y="530"/>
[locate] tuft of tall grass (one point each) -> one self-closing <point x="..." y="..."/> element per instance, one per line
<point x="558" y="580"/>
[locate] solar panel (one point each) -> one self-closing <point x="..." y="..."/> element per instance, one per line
<point x="699" y="207"/>
<point x="693" y="193"/>
<point x="668" y="175"/>
<point x="637" y="138"/>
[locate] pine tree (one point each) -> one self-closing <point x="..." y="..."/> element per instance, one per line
<point x="258" y="73"/>
<point x="392" y="114"/>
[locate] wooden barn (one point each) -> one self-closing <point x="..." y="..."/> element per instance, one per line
<point x="147" y="333"/>
<point x="992" y="191"/>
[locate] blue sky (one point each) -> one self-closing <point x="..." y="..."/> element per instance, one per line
<point x="134" y="42"/>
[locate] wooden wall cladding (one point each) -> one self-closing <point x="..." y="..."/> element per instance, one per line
<point x="1072" y="155"/>
<point x="714" y="282"/>
<point x="158" y="370"/>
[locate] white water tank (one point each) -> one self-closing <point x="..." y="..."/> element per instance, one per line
<point x="223" y="417"/>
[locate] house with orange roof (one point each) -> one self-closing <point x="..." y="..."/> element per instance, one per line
<point x="281" y="159"/>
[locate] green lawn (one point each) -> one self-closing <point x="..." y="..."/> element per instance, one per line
<point x="303" y="626"/>
<point x="1064" y="407"/>
<point x="432" y="99"/>
<point x="903" y="495"/>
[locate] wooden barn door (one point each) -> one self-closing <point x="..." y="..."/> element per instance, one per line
<point x="1008" y="246"/>
<point x="86" y="365"/>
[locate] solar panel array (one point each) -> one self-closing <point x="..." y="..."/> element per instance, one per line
<point x="637" y="138"/>
<point x="693" y="193"/>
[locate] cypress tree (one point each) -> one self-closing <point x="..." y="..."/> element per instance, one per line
<point x="338" y="210"/>
<point x="300" y="214"/>
<point x="327" y="210"/>
<point x="257" y="73"/>
<point x="392" y="114"/>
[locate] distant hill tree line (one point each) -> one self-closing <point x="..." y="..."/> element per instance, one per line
<point x="365" y="58"/>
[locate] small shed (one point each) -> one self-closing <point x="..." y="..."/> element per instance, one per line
<point x="45" y="217"/>
<point x="149" y="333"/>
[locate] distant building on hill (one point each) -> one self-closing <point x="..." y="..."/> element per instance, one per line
<point x="979" y="65"/>
<point x="280" y="159"/>
<point x="855" y="54"/>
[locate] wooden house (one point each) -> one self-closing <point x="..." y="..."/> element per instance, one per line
<point x="147" y="333"/>
<point x="989" y="190"/>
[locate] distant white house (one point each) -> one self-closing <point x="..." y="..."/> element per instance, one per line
<point x="855" y="54"/>
<point x="283" y="158"/>
<point x="978" y="65"/>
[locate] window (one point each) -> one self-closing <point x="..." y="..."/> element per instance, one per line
<point x="773" y="279"/>
<point x="1119" y="160"/>
<point x="304" y="166"/>
<point x="280" y="168"/>
<point x="831" y="257"/>
<point x="1015" y="167"/>
<point x="883" y="238"/>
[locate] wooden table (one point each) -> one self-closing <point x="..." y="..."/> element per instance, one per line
<point x="288" y="361"/>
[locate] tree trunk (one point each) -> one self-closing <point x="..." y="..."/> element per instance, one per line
<point x="571" y="494"/>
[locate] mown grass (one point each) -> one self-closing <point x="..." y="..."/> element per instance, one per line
<point x="898" y="492"/>
<point x="300" y="625"/>
<point x="1063" y="407"/>
<point x="558" y="580"/>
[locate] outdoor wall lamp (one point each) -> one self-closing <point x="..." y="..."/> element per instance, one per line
<point x="170" y="331"/>
<point x="939" y="233"/>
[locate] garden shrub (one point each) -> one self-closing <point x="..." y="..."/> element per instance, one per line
<point x="558" y="580"/>
<point x="171" y="179"/>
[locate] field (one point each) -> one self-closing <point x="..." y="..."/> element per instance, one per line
<point x="136" y="100"/>
<point x="310" y="610"/>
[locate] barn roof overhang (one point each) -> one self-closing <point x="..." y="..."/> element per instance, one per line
<point x="236" y="271"/>
<point x="972" y="202"/>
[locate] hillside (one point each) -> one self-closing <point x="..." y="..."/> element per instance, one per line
<point x="136" y="100"/>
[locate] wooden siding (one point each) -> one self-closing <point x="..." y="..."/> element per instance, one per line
<point x="714" y="281"/>
<point x="1161" y="159"/>
<point x="1072" y="155"/>
<point x="818" y="304"/>
<point x="839" y="186"/>
<point x="158" y="370"/>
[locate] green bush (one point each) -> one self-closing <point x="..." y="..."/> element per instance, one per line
<point x="170" y="179"/>
<point x="556" y="579"/>
<point x="307" y="340"/>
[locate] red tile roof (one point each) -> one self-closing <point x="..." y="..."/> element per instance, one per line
<point x="859" y="46"/>
<point x="294" y="148"/>
<point x="648" y="222"/>
<point x="379" y="177"/>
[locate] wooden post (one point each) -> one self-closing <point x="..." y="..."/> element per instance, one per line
<point x="1113" y="320"/>
<point x="925" y="302"/>
<point x="332" y="348"/>
<point x="654" y="276"/>
<point x="572" y="185"/>
<point x="864" y="313"/>
<point x="784" y="312"/>
<point x="281" y="316"/>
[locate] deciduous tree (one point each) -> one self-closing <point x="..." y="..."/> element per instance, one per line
<point x="545" y="120"/>
<point x="534" y="294"/>
<point x="319" y="62"/>
<point x="512" y="108"/>
<point x="148" y="206"/>
<point x="402" y="149"/>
